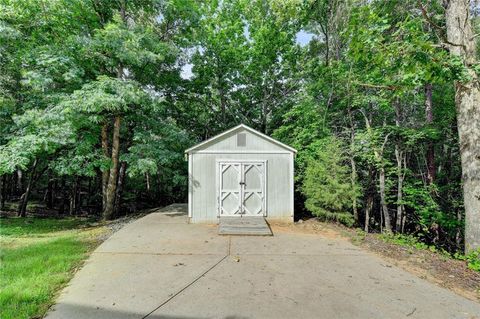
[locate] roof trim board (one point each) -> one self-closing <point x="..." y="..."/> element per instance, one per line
<point x="247" y="128"/>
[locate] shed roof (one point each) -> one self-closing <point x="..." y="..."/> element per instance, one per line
<point x="239" y="127"/>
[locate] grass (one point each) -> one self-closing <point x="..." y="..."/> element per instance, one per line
<point x="37" y="258"/>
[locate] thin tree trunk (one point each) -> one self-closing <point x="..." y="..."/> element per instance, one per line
<point x="378" y="153"/>
<point x="11" y="186"/>
<point x="3" y="194"/>
<point x="105" y="172"/>
<point x="327" y="47"/>
<point x="73" y="198"/>
<point x="112" y="179"/>
<point x="368" y="209"/>
<point x="467" y="100"/>
<point x="400" y="173"/>
<point x="147" y="181"/>
<point x="118" y="193"/>
<point x="353" y="175"/>
<point x="264" y="117"/>
<point x="19" y="185"/>
<point x="49" y="192"/>
<point x="61" y="209"/>
<point x="223" y="104"/>
<point x="400" y="177"/>
<point x="22" y="205"/>
<point x="430" y="146"/>
<point x="383" y="200"/>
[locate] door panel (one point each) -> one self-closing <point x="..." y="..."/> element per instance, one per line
<point x="253" y="189"/>
<point x="241" y="188"/>
<point x="230" y="189"/>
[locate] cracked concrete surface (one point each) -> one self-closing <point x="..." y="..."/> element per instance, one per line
<point x="162" y="267"/>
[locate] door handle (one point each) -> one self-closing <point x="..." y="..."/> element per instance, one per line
<point x="242" y="183"/>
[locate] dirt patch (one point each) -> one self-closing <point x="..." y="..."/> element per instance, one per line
<point x="310" y="226"/>
<point x="432" y="266"/>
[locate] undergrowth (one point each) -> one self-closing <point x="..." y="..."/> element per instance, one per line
<point x="472" y="259"/>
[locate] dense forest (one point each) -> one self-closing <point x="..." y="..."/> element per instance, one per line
<point x="100" y="98"/>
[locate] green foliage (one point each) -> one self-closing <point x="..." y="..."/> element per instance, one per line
<point x="244" y="66"/>
<point x="326" y="185"/>
<point x="429" y="214"/>
<point x="37" y="133"/>
<point x="407" y="241"/>
<point x="472" y="259"/>
<point x="303" y="126"/>
<point x="106" y="96"/>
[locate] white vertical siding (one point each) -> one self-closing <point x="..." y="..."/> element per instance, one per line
<point x="279" y="185"/>
<point x="291" y="178"/>
<point x="203" y="174"/>
<point x="190" y="186"/>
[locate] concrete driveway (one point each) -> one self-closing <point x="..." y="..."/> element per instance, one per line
<point x="161" y="267"/>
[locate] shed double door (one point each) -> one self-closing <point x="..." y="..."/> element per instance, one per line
<point x="241" y="188"/>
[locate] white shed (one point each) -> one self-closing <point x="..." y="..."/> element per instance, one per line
<point x="240" y="172"/>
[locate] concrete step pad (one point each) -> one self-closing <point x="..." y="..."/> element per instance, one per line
<point x="246" y="226"/>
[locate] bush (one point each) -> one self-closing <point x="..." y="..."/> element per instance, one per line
<point x="326" y="186"/>
<point x="472" y="259"/>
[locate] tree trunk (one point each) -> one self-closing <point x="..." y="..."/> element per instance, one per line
<point x="327" y="46"/>
<point x="61" y="209"/>
<point x="118" y="193"/>
<point x="112" y="179"/>
<point x="3" y="186"/>
<point x="105" y="172"/>
<point x="73" y="198"/>
<point x="11" y="186"/>
<point x="378" y="154"/>
<point x="147" y="181"/>
<point x="353" y="175"/>
<point x="467" y="99"/>
<point x="383" y="200"/>
<point x="22" y="205"/>
<point x="223" y="104"/>
<point x="49" y="192"/>
<point x="19" y="185"/>
<point x="368" y="209"/>
<point x="430" y="146"/>
<point x="400" y="173"/>
<point x="400" y="177"/>
<point x="264" y="118"/>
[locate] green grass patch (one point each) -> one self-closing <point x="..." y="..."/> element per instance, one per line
<point x="39" y="259"/>
<point x="406" y="240"/>
<point x="38" y="226"/>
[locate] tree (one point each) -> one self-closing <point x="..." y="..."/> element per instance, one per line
<point x="328" y="191"/>
<point x="462" y="45"/>
<point x="88" y="70"/>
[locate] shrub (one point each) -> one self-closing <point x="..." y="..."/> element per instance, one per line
<point x="326" y="186"/>
<point x="472" y="259"/>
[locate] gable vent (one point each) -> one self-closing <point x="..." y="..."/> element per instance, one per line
<point x="241" y="139"/>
